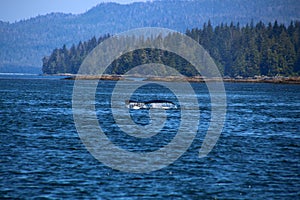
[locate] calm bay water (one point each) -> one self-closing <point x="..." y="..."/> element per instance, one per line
<point x="41" y="154"/>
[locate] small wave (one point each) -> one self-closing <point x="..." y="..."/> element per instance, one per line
<point x="18" y="74"/>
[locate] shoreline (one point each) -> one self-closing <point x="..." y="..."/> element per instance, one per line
<point x="197" y="79"/>
<point x="280" y="80"/>
<point x="93" y="77"/>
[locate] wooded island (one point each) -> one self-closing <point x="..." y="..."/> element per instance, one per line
<point x="253" y="50"/>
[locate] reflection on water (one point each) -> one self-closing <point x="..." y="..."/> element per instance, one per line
<point x="41" y="154"/>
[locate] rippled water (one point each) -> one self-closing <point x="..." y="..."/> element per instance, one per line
<point x="41" y="154"/>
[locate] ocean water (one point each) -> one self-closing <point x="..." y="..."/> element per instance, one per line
<point x="42" y="156"/>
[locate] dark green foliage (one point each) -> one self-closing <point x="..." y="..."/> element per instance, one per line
<point x="248" y="51"/>
<point x="252" y="50"/>
<point x="146" y="56"/>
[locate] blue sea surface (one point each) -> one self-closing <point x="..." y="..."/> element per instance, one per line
<point x="42" y="156"/>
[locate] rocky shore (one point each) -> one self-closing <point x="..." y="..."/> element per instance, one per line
<point x="256" y="79"/>
<point x="285" y="80"/>
<point x="94" y="77"/>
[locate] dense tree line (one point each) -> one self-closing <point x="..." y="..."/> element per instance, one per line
<point x="259" y="49"/>
<point x="254" y="49"/>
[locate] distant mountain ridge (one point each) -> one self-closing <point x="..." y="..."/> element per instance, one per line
<point x="23" y="44"/>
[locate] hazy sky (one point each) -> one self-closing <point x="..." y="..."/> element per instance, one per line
<point x="15" y="10"/>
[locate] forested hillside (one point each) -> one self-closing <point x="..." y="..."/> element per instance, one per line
<point x="22" y="44"/>
<point x="253" y="49"/>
